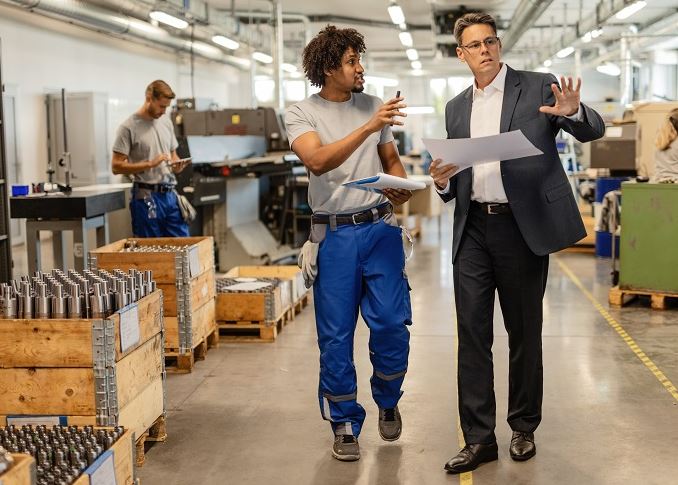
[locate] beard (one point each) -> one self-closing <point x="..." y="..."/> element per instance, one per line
<point x="358" y="89"/>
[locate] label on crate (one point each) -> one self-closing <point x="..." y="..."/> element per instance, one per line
<point x="102" y="471"/>
<point x="37" y="420"/>
<point x="130" y="333"/>
<point x="193" y="261"/>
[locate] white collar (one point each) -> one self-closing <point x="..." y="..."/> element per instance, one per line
<point x="498" y="83"/>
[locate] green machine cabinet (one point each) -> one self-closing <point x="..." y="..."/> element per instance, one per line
<point x="649" y="237"/>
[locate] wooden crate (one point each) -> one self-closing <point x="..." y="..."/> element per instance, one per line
<point x="167" y="267"/>
<point x="22" y="472"/>
<point x="186" y="278"/>
<point x="253" y="332"/>
<point x="291" y="273"/>
<point x="76" y="371"/>
<point x="252" y="307"/>
<point x="204" y="336"/>
<point x="122" y="462"/>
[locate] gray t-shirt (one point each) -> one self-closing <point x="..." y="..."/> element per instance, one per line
<point x="334" y="121"/>
<point x="666" y="163"/>
<point x="140" y="139"/>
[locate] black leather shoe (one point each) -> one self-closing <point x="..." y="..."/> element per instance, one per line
<point x="470" y="457"/>
<point x="522" y="446"/>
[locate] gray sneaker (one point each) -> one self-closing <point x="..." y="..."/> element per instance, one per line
<point x="346" y="448"/>
<point x="390" y="424"/>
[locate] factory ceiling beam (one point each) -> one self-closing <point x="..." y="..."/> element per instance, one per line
<point x="524" y="17"/>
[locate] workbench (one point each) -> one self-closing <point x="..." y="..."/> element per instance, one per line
<point x="83" y="209"/>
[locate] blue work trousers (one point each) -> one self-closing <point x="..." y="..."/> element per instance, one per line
<point x="361" y="268"/>
<point x="157" y="215"/>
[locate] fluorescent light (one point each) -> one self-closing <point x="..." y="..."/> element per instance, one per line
<point x="626" y="12"/>
<point x="565" y="52"/>
<point x="586" y="38"/>
<point x="263" y="58"/>
<point x="609" y="68"/>
<point x="381" y="81"/>
<point x="412" y="54"/>
<point x="168" y="19"/>
<point x="406" y="39"/>
<point x="204" y="48"/>
<point x="396" y="13"/>
<point x="225" y="42"/>
<point x="403" y="26"/>
<point x="288" y="67"/>
<point x="596" y="33"/>
<point x="417" y="72"/>
<point x="548" y="63"/>
<point x="416" y="65"/>
<point x="419" y="110"/>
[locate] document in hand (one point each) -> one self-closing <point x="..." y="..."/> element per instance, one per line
<point x="384" y="181"/>
<point x="466" y="152"/>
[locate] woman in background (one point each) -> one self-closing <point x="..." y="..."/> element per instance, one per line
<point x="666" y="157"/>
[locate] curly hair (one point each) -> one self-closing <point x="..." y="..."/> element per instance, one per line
<point x="325" y="51"/>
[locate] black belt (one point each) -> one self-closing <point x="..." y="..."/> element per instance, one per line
<point x="492" y="208"/>
<point x="162" y="188"/>
<point x="356" y="218"/>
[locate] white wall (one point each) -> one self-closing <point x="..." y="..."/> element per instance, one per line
<point x="41" y="55"/>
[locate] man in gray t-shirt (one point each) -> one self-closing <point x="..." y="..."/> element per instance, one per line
<point x="145" y="150"/>
<point x="355" y="257"/>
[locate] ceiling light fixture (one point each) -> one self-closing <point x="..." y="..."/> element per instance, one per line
<point x="548" y="63"/>
<point x="288" y="67"/>
<point x="563" y="53"/>
<point x="587" y="37"/>
<point x="412" y="54"/>
<point x="609" y="68"/>
<point x="168" y="19"/>
<point x="406" y="39"/>
<point x="629" y="10"/>
<point x="225" y="42"/>
<point x="416" y="65"/>
<point x="396" y="14"/>
<point x="596" y="33"/>
<point x="263" y="58"/>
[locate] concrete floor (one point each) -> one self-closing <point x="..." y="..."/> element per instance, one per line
<point x="249" y="414"/>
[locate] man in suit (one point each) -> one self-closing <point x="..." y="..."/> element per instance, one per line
<point x="509" y="216"/>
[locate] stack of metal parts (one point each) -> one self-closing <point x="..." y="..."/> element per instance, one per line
<point x="90" y="294"/>
<point x="134" y="247"/>
<point x="6" y="460"/>
<point x="61" y="452"/>
<point x="224" y="284"/>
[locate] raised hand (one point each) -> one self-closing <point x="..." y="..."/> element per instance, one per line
<point x="567" y="98"/>
<point x="386" y="114"/>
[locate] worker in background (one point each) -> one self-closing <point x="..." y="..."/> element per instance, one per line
<point x="355" y="254"/>
<point x="509" y="216"/>
<point x="666" y="156"/>
<point x="145" y="149"/>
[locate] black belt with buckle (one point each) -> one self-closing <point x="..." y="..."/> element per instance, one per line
<point x="356" y="218"/>
<point x="492" y="208"/>
<point x="162" y="188"/>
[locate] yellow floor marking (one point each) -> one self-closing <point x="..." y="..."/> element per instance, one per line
<point x="621" y="332"/>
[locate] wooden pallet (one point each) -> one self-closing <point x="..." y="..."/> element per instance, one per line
<point x="301" y="304"/>
<point x="249" y="331"/>
<point x="156" y="433"/>
<point x="183" y="363"/>
<point x="658" y="299"/>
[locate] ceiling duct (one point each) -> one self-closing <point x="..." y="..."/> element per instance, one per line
<point x="523" y="19"/>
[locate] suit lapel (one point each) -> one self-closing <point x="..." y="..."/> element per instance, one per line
<point x="511" y="95"/>
<point x="467" y="105"/>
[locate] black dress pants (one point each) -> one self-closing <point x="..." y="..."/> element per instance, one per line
<point x="494" y="256"/>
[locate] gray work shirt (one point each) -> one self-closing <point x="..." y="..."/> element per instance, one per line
<point x="140" y="139"/>
<point x="666" y="163"/>
<point x="333" y="121"/>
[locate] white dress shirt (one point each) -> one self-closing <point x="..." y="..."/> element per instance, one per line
<point x="485" y="119"/>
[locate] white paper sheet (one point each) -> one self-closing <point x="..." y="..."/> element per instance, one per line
<point x="384" y="181"/>
<point x="466" y="152"/>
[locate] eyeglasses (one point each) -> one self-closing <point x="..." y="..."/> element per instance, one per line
<point x="474" y="47"/>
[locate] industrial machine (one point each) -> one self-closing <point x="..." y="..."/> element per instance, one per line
<point x="231" y="150"/>
<point x="616" y="150"/>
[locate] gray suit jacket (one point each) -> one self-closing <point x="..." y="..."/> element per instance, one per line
<point x="537" y="187"/>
